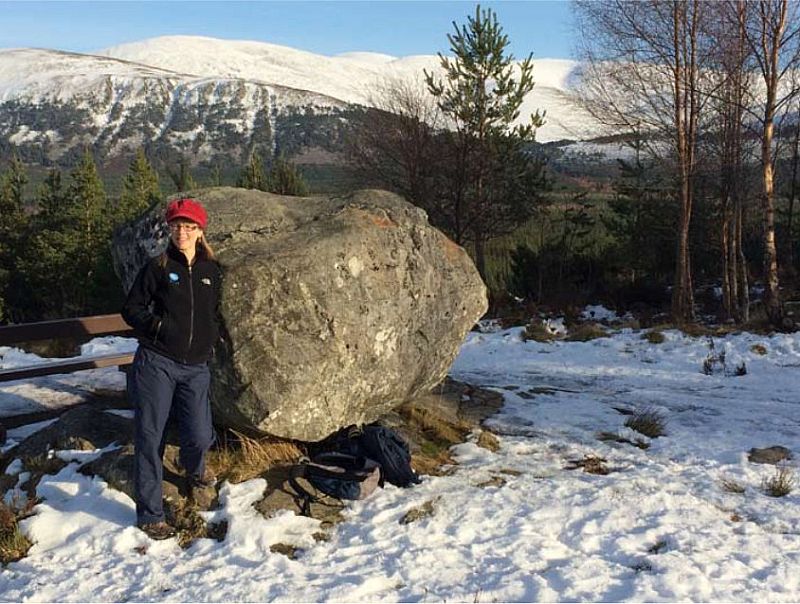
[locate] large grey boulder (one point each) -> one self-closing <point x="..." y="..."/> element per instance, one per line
<point x="335" y="309"/>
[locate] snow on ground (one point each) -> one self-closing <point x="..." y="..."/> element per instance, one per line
<point x="55" y="391"/>
<point x="658" y="527"/>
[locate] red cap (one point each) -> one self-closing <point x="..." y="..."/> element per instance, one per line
<point x="189" y="209"/>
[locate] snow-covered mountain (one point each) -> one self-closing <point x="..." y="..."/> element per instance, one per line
<point x="351" y="77"/>
<point x="205" y="97"/>
<point x="54" y="103"/>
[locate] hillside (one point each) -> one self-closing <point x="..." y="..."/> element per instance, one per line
<point x="212" y="100"/>
<point x="349" y="77"/>
<point x="53" y="104"/>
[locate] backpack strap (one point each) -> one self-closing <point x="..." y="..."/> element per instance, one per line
<point x="328" y="465"/>
<point x="306" y="498"/>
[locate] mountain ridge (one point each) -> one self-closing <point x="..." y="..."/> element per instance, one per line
<point x="208" y="99"/>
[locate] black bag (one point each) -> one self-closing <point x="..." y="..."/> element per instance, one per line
<point x="339" y="475"/>
<point x="388" y="448"/>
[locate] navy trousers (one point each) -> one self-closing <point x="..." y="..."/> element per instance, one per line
<point x="158" y="387"/>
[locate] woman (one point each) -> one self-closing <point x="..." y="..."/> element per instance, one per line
<point x="172" y="306"/>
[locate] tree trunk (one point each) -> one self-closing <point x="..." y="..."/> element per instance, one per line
<point x="772" y="300"/>
<point x="792" y="195"/>
<point x="728" y="297"/>
<point x="743" y="282"/>
<point x="480" y="254"/>
<point x="773" y="27"/>
<point x="686" y="112"/>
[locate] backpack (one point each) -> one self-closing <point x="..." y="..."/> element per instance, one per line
<point x="385" y="446"/>
<point x="339" y="475"/>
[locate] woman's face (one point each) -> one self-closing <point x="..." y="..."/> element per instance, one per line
<point x="184" y="234"/>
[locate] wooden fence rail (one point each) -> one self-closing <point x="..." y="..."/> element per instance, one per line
<point x="80" y="327"/>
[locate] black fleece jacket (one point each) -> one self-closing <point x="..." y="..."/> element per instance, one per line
<point x="175" y="309"/>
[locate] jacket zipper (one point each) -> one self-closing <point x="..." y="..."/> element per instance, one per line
<point x="191" y="313"/>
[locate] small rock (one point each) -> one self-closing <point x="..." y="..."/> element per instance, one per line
<point x="203" y="497"/>
<point x="591" y="464"/>
<point x="217" y="530"/>
<point x="288" y="550"/>
<point x="769" y="455"/>
<point x="494" y="481"/>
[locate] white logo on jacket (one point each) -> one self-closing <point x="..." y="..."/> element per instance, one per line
<point x="205" y="281"/>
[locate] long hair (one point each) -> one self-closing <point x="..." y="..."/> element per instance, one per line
<point x="202" y="249"/>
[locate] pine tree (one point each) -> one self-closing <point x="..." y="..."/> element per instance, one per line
<point x="13" y="230"/>
<point x="42" y="257"/>
<point x="285" y="179"/>
<point x="216" y="176"/>
<point x="252" y="176"/>
<point x="182" y="177"/>
<point x="68" y="267"/>
<point x="86" y="205"/>
<point x="140" y="189"/>
<point x="481" y="93"/>
<point x="51" y="199"/>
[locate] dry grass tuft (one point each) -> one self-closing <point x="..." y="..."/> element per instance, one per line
<point x="758" y="349"/>
<point x="241" y="457"/>
<point x="46" y="463"/>
<point x="732" y="485"/>
<point x="654" y="337"/>
<point x="435" y="434"/>
<point x="433" y="425"/>
<point x="425" y="510"/>
<point x="286" y="549"/>
<point x="538" y="331"/>
<point x="14" y="544"/>
<point x="647" y="421"/>
<point x="696" y="330"/>
<point x="186" y="518"/>
<point x="488" y="441"/>
<point x="585" y="332"/>
<point x="779" y="484"/>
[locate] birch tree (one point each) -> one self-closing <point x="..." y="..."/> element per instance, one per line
<point x="643" y="71"/>
<point x="771" y="30"/>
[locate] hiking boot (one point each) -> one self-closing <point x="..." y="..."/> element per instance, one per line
<point x="158" y="530"/>
<point x="207" y="480"/>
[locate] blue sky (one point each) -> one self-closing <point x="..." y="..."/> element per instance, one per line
<point x="329" y="27"/>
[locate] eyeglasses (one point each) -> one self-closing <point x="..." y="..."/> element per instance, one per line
<point x="177" y="227"/>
